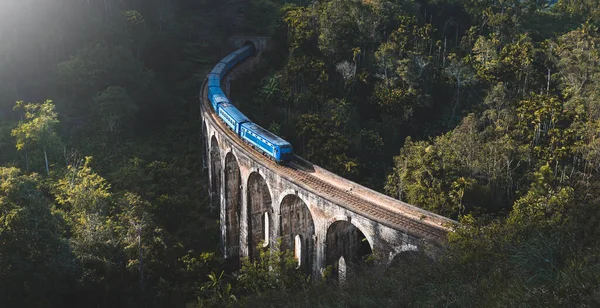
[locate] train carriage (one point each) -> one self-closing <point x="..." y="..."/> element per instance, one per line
<point x="214" y="80"/>
<point x="216" y="97"/>
<point x="232" y="116"/>
<point x="230" y="61"/>
<point x="266" y="142"/>
<point x="220" y="69"/>
<point x="244" y="52"/>
<point x="215" y="91"/>
<point x="262" y="140"/>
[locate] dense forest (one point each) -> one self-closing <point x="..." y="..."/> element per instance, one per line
<point x="487" y="112"/>
<point x="103" y="197"/>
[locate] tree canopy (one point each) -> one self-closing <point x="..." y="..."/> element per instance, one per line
<point x="487" y="112"/>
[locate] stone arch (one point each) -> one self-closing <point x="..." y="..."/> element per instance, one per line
<point x="404" y="261"/>
<point x="296" y="220"/>
<point x="345" y="244"/>
<point x="259" y="203"/>
<point x="405" y="257"/>
<point x="215" y="173"/>
<point x="233" y="206"/>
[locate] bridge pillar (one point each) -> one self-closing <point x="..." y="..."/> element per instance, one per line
<point x="320" y="247"/>
<point x="244" y="252"/>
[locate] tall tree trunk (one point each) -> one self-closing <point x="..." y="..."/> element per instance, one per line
<point x="457" y="99"/>
<point x="46" y="159"/>
<point x="140" y="263"/>
<point x="548" y="82"/>
<point x="444" y="54"/>
<point x="26" y="161"/>
<point x="26" y="156"/>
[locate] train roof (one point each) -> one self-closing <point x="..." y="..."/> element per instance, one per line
<point x="218" y="69"/>
<point x="229" y="58"/>
<point x="214" y="80"/>
<point x="216" y="95"/>
<point x="239" y="51"/>
<point x="267" y="134"/>
<point x="218" y="98"/>
<point x="215" y="90"/>
<point x="237" y="115"/>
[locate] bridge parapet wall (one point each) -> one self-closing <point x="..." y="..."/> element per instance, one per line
<point x="376" y="197"/>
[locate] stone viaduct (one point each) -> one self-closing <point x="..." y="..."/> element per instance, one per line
<point x="324" y="219"/>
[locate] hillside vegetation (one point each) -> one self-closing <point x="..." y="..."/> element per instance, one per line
<point x="487" y="112"/>
<point x="103" y="197"/>
<point x="482" y="111"/>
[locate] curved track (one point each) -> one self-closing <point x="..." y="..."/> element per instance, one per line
<point x="361" y="200"/>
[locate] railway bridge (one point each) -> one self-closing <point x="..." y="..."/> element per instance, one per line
<point x="324" y="219"/>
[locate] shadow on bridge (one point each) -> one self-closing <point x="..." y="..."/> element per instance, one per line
<point x="297" y="231"/>
<point x="233" y="204"/>
<point x="260" y="215"/>
<point x="347" y="247"/>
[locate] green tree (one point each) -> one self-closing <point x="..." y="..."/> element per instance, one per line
<point x="36" y="264"/>
<point x="325" y="147"/>
<point x="38" y="128"/>
<point x="94" y="69"/>
<point x="141" y="238"/>
<point x="276" y="269"/>
<point x="114" y="107"/>
<point x="85" y="199"/>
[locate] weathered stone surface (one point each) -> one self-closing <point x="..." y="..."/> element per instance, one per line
<point x="233" y="204"/>
<point x="297" y="230"/>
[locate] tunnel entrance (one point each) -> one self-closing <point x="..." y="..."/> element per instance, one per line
<point x="297" y="231"/>
<point x="260" y="215"/>
<point x="215" y="172"/>
<point x="346" y="248"/>
<point x="233" y="203"/>
<point x="250" y="43"/>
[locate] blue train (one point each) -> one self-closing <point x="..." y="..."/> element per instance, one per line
<point x="261" y="139"/>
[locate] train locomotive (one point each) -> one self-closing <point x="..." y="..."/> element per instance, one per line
<point x="259" y="138"/>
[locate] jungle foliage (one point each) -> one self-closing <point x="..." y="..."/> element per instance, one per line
<point x="103" y="200"/>
<point x="484" y="111"/>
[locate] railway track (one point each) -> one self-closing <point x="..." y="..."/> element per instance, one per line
<point x="294" y="172"/>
